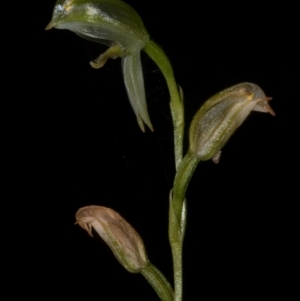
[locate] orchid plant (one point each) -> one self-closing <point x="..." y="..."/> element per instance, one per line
<point x="117" y="25"/>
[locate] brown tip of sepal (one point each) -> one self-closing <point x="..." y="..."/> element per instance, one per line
<point x="50" y="25"/>
<point x="263" y="106"/>
<point x="268" y="108"/>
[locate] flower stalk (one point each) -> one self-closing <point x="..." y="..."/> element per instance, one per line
<point x="125" y="243"/>
<point x="158" y="282"/>
<point x="176" y="103"/>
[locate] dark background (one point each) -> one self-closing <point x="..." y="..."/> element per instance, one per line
<point x="78" y="144"/>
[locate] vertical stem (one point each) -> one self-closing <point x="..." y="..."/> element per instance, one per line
<point x="185" y="168"/>
<point x="177" y="217"/>
<point x="177" y="109"/>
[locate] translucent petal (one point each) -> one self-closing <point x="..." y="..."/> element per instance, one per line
<point x="134" y="82"/>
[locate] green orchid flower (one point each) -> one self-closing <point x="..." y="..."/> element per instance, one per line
<point x="221" y="115"/>
<point x="117" y="25"/>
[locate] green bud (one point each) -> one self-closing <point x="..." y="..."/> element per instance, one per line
<point x="123" y="240"/>
<point x="103" y="21"/>
<point x="117" y="25"/>
<point x="221" y="115"/>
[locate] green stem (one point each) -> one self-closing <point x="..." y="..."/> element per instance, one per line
<point x="177" y="217"/>
<point x="177" y="109"/>
<point x="182" y="179"/>
<point x="159" y="283"/>
<point x="177" y="213"/>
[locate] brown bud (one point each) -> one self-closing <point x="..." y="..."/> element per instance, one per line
<point x="123" y="240"/>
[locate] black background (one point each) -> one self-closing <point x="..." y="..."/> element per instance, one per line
<point x="77" y="143"/>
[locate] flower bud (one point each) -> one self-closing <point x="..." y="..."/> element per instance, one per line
<point x="221" y="115"/>
<point x="102" y="21"/>
<point x="123" y="240"/>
